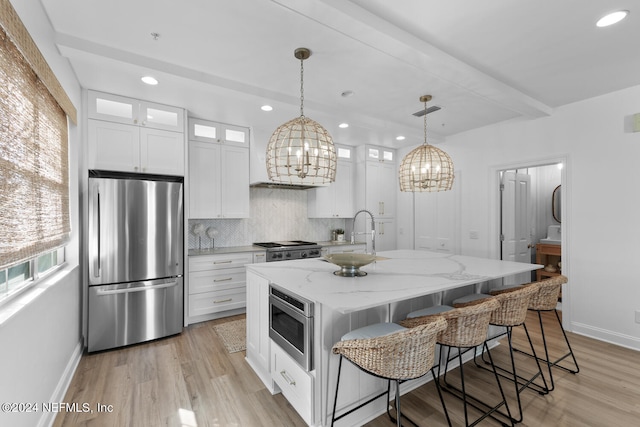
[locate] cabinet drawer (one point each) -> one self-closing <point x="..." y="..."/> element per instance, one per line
<point x="216" y="280"/>
<point x="215" y="262"/>
<point x="296" y="384"/>
<point x="339" y="249"/>
<point x="213" y="302"/>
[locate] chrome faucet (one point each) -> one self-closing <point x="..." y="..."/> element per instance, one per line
<point x="373" y="230"/>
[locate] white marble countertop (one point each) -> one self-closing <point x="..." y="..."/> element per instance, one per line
<point x="402" y="275"/>
<point x="252" y="248"/>
<point x="226" y="250"/>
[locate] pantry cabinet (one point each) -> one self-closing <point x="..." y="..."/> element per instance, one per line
<point x="376" y="189"/>
<point x="437" y="228"/>
<point x="218" y="174"/>
<point x="120" y="140"/>
<point x="381" y="183"/>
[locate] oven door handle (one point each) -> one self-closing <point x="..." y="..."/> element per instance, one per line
<point x="286" y="308"/>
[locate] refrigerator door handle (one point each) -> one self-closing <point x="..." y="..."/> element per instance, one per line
<point x="96" y="261"/>
<point x="101" y="292"/>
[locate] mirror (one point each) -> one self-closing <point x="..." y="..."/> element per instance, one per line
<point x="555" y="204"/>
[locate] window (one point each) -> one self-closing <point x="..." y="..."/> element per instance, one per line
<point x="34" y="173"/>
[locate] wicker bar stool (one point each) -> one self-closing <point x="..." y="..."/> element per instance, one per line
<point x="466" y="329"/>
<point x="546" y="299"/>
<point x="512" y="312"/>
<point x="391" y="352"/>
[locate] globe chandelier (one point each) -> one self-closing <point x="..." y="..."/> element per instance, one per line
<point x="301" y="151"/>
<point x="426" y="168"/>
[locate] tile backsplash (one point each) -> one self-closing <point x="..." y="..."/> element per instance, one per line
<point x="275" y="214"/>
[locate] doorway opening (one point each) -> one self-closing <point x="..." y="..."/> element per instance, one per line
<point x="528" y="197"/>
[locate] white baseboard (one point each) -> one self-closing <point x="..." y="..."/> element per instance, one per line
<point x="47" y="418"/>
<point x="605" y="335"/>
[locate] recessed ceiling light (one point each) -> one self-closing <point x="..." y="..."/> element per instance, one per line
<point x="400" y="138"/>
<point x="343" y="125"/>
<point x="266" y="108"/>
<point x="149" y="80"/>
<point x="612" y="18"/>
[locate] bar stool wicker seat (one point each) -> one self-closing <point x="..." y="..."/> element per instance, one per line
<point x="391" y="352"/>
<point x="514" y="302"/>
<point x="546" y="299"/>
<point x="466" y="329"/>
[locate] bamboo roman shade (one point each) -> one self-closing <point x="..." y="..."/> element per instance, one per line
<point x="34" y="170"/>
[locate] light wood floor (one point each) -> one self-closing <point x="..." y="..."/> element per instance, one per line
<point x="190" y="380"/>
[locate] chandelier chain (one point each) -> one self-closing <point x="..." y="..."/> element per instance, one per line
<point x="301" y="87"/>
<point x="425" y="122"/>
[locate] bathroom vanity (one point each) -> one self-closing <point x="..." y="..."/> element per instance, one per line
<point x="548" y="255"/>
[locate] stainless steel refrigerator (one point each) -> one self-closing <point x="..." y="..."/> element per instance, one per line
<point x="135" y="259"/>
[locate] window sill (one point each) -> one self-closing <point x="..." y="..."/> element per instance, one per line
<point x="15" y="303"/>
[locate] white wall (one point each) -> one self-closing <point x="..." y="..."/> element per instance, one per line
<point x="601" y="205"/>
<point x="40" y="335"/>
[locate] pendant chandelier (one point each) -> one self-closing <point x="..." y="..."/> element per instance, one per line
<point x="426" y="168"/>
<point x="301" y="151"/>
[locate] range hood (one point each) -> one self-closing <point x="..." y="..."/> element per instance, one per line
<point x="288" y="186"/>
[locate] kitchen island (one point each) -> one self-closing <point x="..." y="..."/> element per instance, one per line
<point x="396" y="284"/>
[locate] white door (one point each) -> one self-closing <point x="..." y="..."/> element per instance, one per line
<point x="114" y="146"/>
<point x="234" y="182"/>
<point x="516" y="222"/>
<point x="204" y="180"/>
<point x="161" y="152"/>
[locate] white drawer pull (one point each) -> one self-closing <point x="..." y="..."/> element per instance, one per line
<point x="223" y="262"/>
<point x="286" y="378"/>
<point x="223" y="280"/>
<point x="218" y="301"/>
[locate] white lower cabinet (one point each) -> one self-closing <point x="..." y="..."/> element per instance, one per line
<point x="358" y="248"/>
<point x="294" y="382"/>
<point x="217" y="284"/>
<point x="258" y="342"/>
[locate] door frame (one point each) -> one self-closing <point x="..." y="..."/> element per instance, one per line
<point x="565" y="200"/>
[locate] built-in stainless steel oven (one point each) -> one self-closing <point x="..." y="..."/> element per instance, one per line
<point x="291" y="325"/>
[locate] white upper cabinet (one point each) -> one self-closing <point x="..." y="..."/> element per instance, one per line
<point x="120" y="109"/>
<point x="208" y="131"/>
<point x="119" y="140"/>
<point x="218" y="171"/>
<point x="336" y="199"/>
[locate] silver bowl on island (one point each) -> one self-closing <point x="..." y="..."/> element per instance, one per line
<point x="350" y="263"/>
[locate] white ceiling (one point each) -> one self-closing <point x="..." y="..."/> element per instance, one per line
<point x="483" y="61"/>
